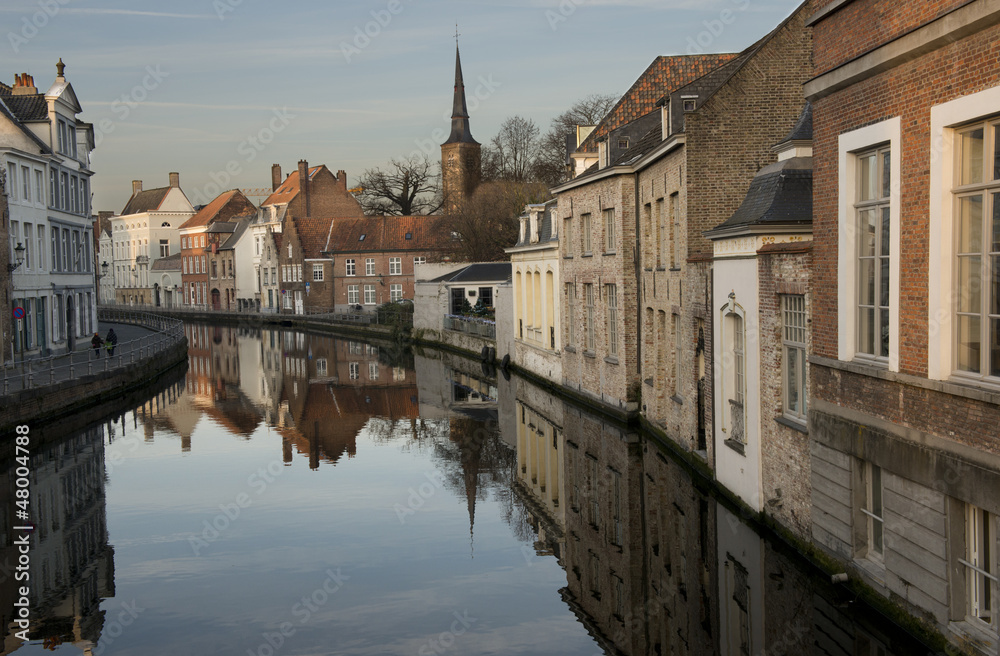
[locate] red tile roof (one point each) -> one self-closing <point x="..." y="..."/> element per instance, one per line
<point x="383" y="233"/>
<point x="667" y="73"/>
<point x="210" y="212"/>
<point x="289" y="189"/>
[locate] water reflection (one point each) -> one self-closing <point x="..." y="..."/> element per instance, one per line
<point x="442" y="491"/>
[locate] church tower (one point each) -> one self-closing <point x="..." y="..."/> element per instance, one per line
<point x="461" y="159"/>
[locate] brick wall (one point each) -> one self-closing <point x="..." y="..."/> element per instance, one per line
<point x="907" y="91"/>
<point x="341" y="281"/>
<point x="598" y="373"/>
<point x="785" y="460"/>
<point x="871" y="23"/>
<point x="328" y="197"/>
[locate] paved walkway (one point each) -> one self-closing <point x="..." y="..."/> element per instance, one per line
<point x="53" y="370"/>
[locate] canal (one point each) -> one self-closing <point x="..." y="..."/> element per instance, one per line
<point x="303" y="494"/>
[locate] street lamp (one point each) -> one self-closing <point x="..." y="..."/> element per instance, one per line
<point x="104" y="269"/>
<point x="18" y="257"/>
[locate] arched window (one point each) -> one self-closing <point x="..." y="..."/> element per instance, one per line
<point x="734" y="372"/>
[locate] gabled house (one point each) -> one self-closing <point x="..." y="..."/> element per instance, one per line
<point x="197" y="239"/>
<point x="307" y="192"/>
<point x="45" y="153"/>
<point x="905" y="364"/>
<point x="146" y="230"/>
<point x="761" y="266"/>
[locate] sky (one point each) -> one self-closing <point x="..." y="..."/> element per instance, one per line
<point x="218" y="90"/>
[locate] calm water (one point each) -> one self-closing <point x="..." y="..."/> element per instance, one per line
<point x="296" y="494"/>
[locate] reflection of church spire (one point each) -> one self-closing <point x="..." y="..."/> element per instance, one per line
<point x="471" y="452"/>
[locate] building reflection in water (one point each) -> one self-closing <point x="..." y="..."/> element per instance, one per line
<point x="72" y="564"/>
<point x="653" y="563"/>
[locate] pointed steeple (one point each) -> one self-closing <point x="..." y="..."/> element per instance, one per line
<point x="459" y="111"/>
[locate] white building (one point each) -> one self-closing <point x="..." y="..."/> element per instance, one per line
<point x="537" y="286"/>
<point x="105" y="256"/>
<point x="145" y="232"/>
<point x="45" y="151"/>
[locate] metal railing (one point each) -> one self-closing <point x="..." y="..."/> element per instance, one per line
<point x="372" y="316"/>
<point x="39" y="372"/>
<point x="478" y="327"/>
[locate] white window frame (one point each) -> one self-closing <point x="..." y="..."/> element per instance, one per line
<point x="369" y="294"/>
<point x="317" y="269"/>
<point x="369" y="266"/>
<point x="395" y="266"/>
<point x="873" y="511"/>
<point x="981" y="569"/>
<point x="350" y="269"/>
<point x="395" y="292"/>
<point x="353" y="294"/>
<point x="794" y="334"/>
<point x="947" y="120"/>
<point x="419" y="259"/>
<point x="849" y="145"/>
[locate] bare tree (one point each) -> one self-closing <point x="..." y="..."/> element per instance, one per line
<point x="511" y="154"/>
<point x="487" y="222"/>
<point x="550" y="166"/>
<point x="405" y="187"/>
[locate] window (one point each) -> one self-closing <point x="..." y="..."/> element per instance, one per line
<point x="395" y="292"/>
<point x="354" y="370"/>
<point x="675" y="234"/>
<point x="73" y="195"/>
<point x="570" y="312"/>
<point x="369" y="266"/>
<point x="28" y="231"/>
<point x="52" y="187"/>
<point x="63" y="190"/>
<point x="318" y="272"/>
<point x="793" y="360"/>
<point x="298" y="273"/>
<point x="977" y="252"/>
<point x="352" y="294"/>
<point x="678" y="339"/>
<point x="41" y="247"/>
<point x="734" y="375"/>
<point x="486" y="296"/>
<point x="25" y="184"/>
<point x="868" y="263"/>
<point x="349" y="263"/>
<point x="164" y="247"/>
<point x="373" y="371"/>
<point x="39" y="188"/>
<point x="12" y="181"/>
<point x="369" y="294"/>
<point x="872" y="210"/>
<point x="566" y="236"/>
<point x="420" y="259"/>
<point x="980" y="565"/>
<point x="612" y="295"/>
<point x="609" y="231"/>
<point x="320" y="366"/>
<point x="395" y="266"/>
<point x="588" y="324"/>
<point x="871" y="482"/>
<point x="585" y="230"/>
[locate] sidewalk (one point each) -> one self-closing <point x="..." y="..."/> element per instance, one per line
<point x="53" y="370"/>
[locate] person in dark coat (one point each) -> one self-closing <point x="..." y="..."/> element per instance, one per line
<point x="111" y="341"/>
<point x="96" y="342"/>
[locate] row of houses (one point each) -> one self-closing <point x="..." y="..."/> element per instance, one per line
<point x="278" y="257"/>
<point x="784" y="261"/>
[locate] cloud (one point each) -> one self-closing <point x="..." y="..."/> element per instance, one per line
<point x="133" y="12"/>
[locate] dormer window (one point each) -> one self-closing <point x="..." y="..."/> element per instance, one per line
<point x="362" y="237"/>
<point x="689" y="103"/>
<point x="623" y="143"/>
<point x="409" y="235"/>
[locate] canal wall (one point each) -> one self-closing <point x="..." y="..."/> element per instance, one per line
<point x="79" y="387"/>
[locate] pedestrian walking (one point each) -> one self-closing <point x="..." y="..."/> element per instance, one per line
<point x="111" y="341"/>
<point x="96" y="342"/>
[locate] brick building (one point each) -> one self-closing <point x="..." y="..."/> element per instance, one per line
<point x="309" y="192"/>
<point x="905" y="371"/>
<point x="461" y="155"/>
<point x="197" y="240"/>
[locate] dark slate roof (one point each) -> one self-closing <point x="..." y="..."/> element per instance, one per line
<point x="479" y="272"/>
<point x="803" y="130"/>
<point x="544" y="224"/>
<point x="780" y="194"/>
<point x="169" y="263"/>
<point x="6" y="112"/>
<point x="145" y="201"/>
<point x="459" y="111"/>
<point x="28" y="108"/>
<point x="230" y="242"/>
<point x="663" y="75"/>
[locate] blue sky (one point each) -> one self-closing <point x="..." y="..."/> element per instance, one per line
<point x="199" y="86"/>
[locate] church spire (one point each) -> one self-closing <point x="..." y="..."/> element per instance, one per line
<point x="459" y="110"/>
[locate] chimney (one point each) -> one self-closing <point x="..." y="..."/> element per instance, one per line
<point x="342" y="179"/>
<point x="24" y="85"/>
<point x="136" y="187"/>
<point x="304" y="182"/>
<point x="275" y="176"/>
<point x="175" y="179"/>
